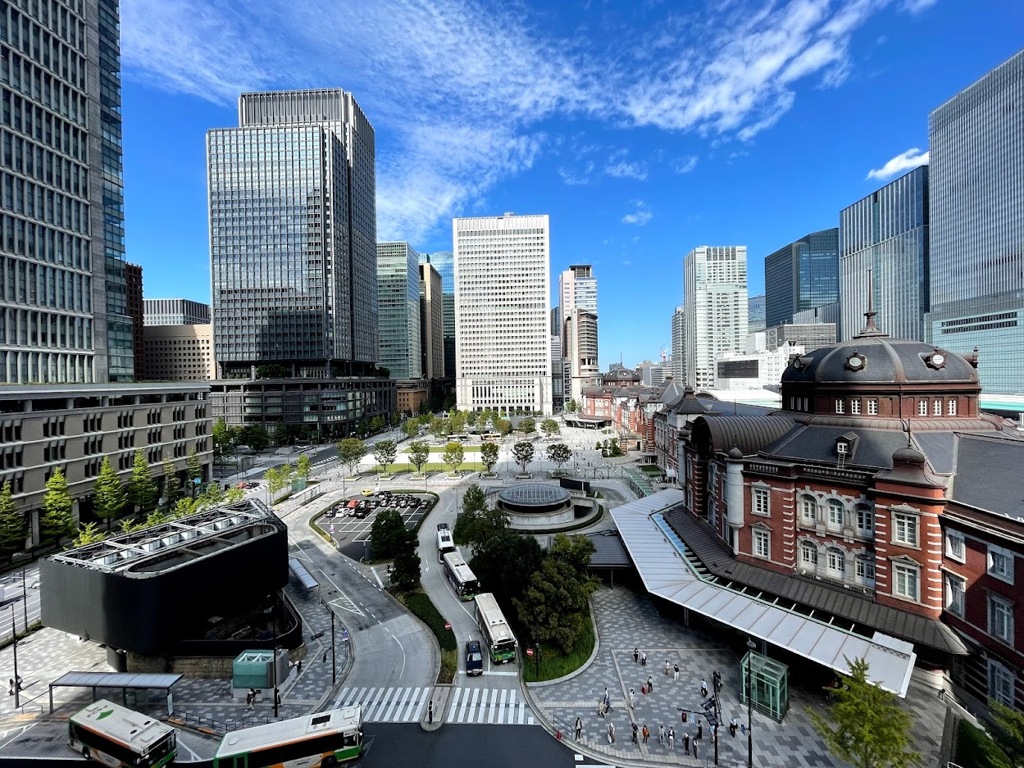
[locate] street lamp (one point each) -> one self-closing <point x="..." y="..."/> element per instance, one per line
<point x="17" y="680"/>
<point x="750" y="704"/>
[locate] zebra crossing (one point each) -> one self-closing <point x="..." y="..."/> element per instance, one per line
<point x="497" y="706"/>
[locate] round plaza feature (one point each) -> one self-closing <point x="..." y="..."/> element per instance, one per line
<point x="536" y="506"/>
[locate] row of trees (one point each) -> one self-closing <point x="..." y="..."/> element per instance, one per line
<point x="456" y="422"/>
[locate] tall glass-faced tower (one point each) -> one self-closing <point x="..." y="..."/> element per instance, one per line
<point x="293" y="237"/>
<point x="977" y="210"/>
<point x="800" y="276"/>
<point x="444" y="263"/>
<point x="63" y="284"/>
<point x="398" y="310"/>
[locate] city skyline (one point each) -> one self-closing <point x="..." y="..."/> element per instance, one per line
<point x="643" y="133"/>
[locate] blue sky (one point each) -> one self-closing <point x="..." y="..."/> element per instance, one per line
<point x="644" y="128"/>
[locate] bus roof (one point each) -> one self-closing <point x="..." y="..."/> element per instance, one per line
<point x="459" y="566"/>
<point x="125" y="726"/>
<point x="274" y="734"/>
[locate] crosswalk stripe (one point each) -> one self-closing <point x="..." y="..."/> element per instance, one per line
<point x="394" y="703"/>
<point x="500" y="706"/>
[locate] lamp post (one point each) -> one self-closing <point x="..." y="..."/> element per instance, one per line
<point x="17" y="680"/>
<point x="750" y="704"/>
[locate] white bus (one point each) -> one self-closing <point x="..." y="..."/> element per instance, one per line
<point x="460" y="575"/>
<point x="445" y="542"/>
<point x="311" y="741"/>
<point x="501" y="643"/>
<point x="115" y="736"/>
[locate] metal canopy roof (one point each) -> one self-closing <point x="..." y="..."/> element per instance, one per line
<point x="114" y="680"/>
<point x="657" y="552"/>
<point x="305" y="578"/>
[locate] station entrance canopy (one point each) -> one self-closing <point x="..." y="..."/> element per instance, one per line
<point x="658" y="554"/>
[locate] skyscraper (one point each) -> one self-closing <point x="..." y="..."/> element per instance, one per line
<point x="577" y="312"/>
<point x="678" y="362"/>
<point x="887" y="233"/>
<point x="715" y="298"/>
<point x="444" y="263"/>
<point x="502" y="301"/>
<point x="398" y="310"/>
<point x="293" y="245"/>
<point x="63" y="286"/>
<point x="801" y="275"/>
<point x="431" y="321"/>
<point x="977" y="236"/>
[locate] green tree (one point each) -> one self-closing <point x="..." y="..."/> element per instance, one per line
<point x="157" y="517"/>
<point x="457" y="422"/>
<point x="142" y="490"/>
<point x="553" y="607"/>
<point x="418" y="452"/>
<point x="194" y="466"/>
<point x="1009" y="728"/>
<point x="223" y="439"/>
<point x="527" y="426"/>
<point x="502" y="426"/>
<point x="477" y="527"/>
<point x="489" y="455"/>
<point x="109" y="496"/>
<point x="453" y="455"/>
<point x="384" y="453"/>
<point x="256" y="437"/>
<point x="522" y="452"/>
<point x="350" y="452"/>
<point x="376" y="425"/>
<point x="572" y="407"/>
<point x="276" y="479"/>
<point x="440" y="427"/>
<point x="57" y="521"/>
<point x="172" y="485"/>
<point x="88" y="534"/>
<point x="405" y="571"/>
<point x="506" y="562"/>
<point x="865" y="726"/>
<point x="12" y="523"/>
<point x="303" y="467"/>
<point x="549" y="427"/>
<point x="474" y="499"/>
<point x="411" y="427"/>
<point x="386" y="534"/>
<point x="558" y="454"/>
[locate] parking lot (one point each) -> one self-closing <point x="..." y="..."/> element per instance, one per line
<point x="349" y="520"/>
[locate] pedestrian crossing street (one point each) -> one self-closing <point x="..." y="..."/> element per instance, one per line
<point x="497" y="706"/>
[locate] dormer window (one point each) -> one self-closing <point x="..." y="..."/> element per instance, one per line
<point x="840" y="405"/>
<point x="935" y="360"/>
<point x="842" y="448"/>
<point x="856" y="362"/>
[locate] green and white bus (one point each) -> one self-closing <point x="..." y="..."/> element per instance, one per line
<point x="460" y="575"/>
<point x="311" y="741"/>
<point x="115" y="736"/>
<point x="498" y="637"/>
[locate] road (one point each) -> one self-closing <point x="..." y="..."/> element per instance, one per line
<point x="15" y="586"/>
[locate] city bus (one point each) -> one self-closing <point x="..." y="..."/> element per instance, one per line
<point x="501" y="643"/>
<point x="116" y="736"/>
<point x="460" y="576"/>
<point x="445" y="543"/>
<point x="311" y="741"/>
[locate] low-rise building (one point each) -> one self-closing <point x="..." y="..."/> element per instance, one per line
<point x="178" y="353"/>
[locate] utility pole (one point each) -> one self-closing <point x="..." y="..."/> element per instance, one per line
<point x="17" y="680"/>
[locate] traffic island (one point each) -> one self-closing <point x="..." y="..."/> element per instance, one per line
<point x="437" y="706"/>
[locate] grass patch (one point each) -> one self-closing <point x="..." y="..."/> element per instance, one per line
<point x="423" y="608"/>
<point x="554" y="664"/>
<point x="976" y="749"/>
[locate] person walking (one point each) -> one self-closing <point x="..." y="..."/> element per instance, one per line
<point x="700" y="730"/>
<point x="578" y="731"/>
<point x="633" y="739"/>
<point x="666" y="667"/>
<point x="632" y="698"/>
<point x="607" y="700"/>
<point x="646" y="733"/>
<point x="686" y="742"/>
<point x="643" y="658"/>
<point x="650" y="684"/>
<point x="611" y="733"/>
<point x="716" y="680"/>
<point x="732" y="727"/>
<point x="600" y="708"/>
<point x="703" y="688"/>
<point x="672" y="738"/>
<point x="694" y="744"/>
<point x="675" y="673"/>
<point x="636" y="655"/>
<point x="10" y="687"/>
<point x="661" y="735"/>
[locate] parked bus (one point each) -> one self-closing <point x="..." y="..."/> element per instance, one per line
<point x="322" y="739"/>
<point x="115" y="736"/>
<point x="445" y="542"/>
<point x="460" y="575"/>
<point x="501" y="643"/>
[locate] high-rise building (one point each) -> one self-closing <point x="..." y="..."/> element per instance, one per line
<point x="976" y="276"/>
<point x="801" y="275"/>
<point x="136" y="312"/>
<point x="293" y="247"/>
<point x="431" y="321"/>
<point x="886" y="233"/>
<point x="756" y="308"/>
<point x="577" y="290"/>
<point x="678" y="366"/>
<point x="398" y="311"/>
<point x="175" y="312"/>
<point x="63" y="285"/>
<point x="444" y="263"/>
<point x="715" y="298"/>
<point x="502" y="304"/>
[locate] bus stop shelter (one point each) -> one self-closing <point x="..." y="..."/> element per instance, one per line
<point x="126" y="681"/>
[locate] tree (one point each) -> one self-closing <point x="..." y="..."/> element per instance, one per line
<point x="12" y="523"/>
<point x="384" y="453"/>
<point x="572" y="407"/>
<point x="386" y="534"/>
<point x="275" y="480"/>
<point x="554" y="606"/>
<point x="457" y="422"/>
<point x="350" y="452"/>
<point x="194" y="466"/>
<point x="440" y="427"/>
<point x="474" y="499"/>
<point x="88" y="534"/>
<point x="405" y="571"/>
<point x="142" y="490"/>
<point x="376" y="425"/>
<point x="109" y="496"/>
<point x="506" y="562"/>
<point x="224" y="439"/>
<point x="411" y="427"/>
<point x="303" y="467"/>
<point x="172" y="485"/>
<point x="57" y="521"/>
<point x="502" y="426"/>
<point x="489" y="455"/>
<point x="256" y="437"/>
<point x="476" y="528"/>
<point x="865" y="726"/>
<point x="418" y="452"/>
<point x="453" y="456"/>
<point x="558" y="454"/>
<point x="527" y="426"/>
<point x="574" y="550"/>
<point x="549" y="427"/>
<point x="522" y="452"/>
<point x="1009" y="727"/>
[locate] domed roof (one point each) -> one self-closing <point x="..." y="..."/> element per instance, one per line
<point x="872" y="357"/>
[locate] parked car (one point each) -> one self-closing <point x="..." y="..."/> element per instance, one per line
<point x="474" y="658"/>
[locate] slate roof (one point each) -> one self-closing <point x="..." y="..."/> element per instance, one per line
<point x="990" y="474"/>
<point x="748" y="433"/>
<point x="873" y="448"/>
<point x="844" y="603"/>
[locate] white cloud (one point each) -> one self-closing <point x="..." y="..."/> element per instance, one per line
<point x="685" y="164"/>
<point x="625" y="170"/>
<point x="640" y="216"/>
<point x="904" y="161"/>
<point x="916" y="6"/>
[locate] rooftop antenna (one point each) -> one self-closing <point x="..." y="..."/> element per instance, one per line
<point x="870" y="329"/>
<point x="906" y="428"/>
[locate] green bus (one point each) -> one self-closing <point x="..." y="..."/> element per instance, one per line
<point x="501" y="643"/>
<point x="116" y="736"/>
<point x="311" y="741"/>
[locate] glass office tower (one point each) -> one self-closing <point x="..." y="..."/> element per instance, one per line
<point x="293" y="248"/>
<point x="398" y="310"/>
<point x="977" y="209"/>
<point x="800" y="276"/>
<point x="63" y="285"/>
<point x="715" y="302"/>
<point x="444" y="263"/>
<point x="883" y="242"/>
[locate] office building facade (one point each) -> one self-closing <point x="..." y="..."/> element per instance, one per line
<point x="977" y="236"/>
<point x="577" y="314"/>
<point x="175" y="312"/>
<point x="137" y="313"/>
<point x="756" y="309"/>
<point x="293" y="247"/>
<point x="444" y="263"/>
<point x="63" y="283"/>
<point x="678" y="361"/>
<point x="801" y="275"/>
<point x="178" y="353"/>
<point x="884" y="253"/>
<point x="502" y="320"/>
<point x="398" y="311"/>
<point x="431" y="321"/>
<point x="715" y="298"/>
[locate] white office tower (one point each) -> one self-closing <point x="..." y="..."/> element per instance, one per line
<point x="715" y="301"/>
<point x="577" y="309"/>
<point x="678" y="360"/>
<point x="502" y="322"/>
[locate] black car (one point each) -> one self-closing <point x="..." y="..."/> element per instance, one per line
<point x="474" y="658"/>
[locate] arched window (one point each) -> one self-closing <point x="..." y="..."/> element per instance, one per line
<point x="836" y="564"/>
<point x="808" y="554"/>
<point x="808" y="509"/>
<point x="835" y="513"/>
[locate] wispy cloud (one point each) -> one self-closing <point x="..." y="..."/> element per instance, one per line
<point x="685" y="164"/>
<point x="904" y="161"/>
<point x="640" y="216"/>
<point x="457" y="89"/>
<point x="916" y="6"/>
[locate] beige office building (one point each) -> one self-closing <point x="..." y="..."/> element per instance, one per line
<point x="178" y="353"/>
